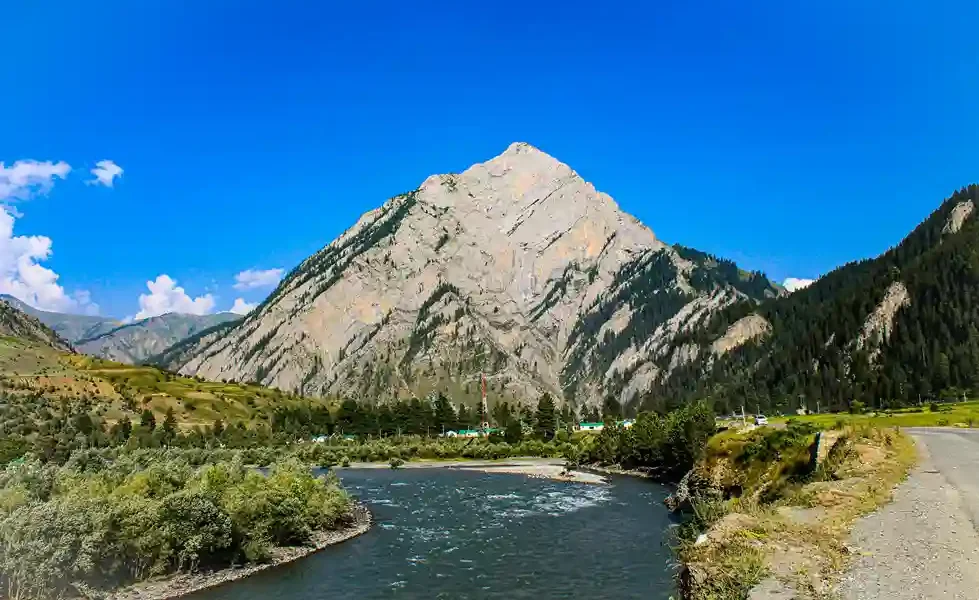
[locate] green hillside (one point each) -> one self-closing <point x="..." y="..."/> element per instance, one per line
<point x="819" y="350"/>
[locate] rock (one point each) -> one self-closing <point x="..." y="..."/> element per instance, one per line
<point x="741" y="332"/>
<point x="880" y="322"/>
<point x="958" y="216"/>
<point x="680" y="499"/>
<point x="513" y="268"/>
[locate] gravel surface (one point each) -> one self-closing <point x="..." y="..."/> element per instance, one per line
<point x="925" y="544"/>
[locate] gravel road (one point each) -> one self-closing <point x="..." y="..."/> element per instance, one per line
<point x="925" y="544"/>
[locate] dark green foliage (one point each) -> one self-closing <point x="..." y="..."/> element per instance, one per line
<point x="545" y="421"/>
<point x="666" y="446"/>
<point x="513" y="432"/>
<point x="931" y="351"/>
<point x="148" y="420"/>
<point x="95" y="524"/>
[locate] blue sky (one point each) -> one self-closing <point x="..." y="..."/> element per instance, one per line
<point x="790" y="138"/>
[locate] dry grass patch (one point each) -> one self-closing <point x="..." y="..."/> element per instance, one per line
<point x="795" y="541"/>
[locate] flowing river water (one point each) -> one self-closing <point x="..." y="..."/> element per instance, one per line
<point x="447" y="533"/>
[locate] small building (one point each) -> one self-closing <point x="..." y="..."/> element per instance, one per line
<point x="467" y="433"/>
<point x="591" y="426"/>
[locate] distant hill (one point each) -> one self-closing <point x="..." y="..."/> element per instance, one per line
<point x="68" y="326"/>
<point x="16" y="323"/>
<point x="133" y="343"/>
<point x="111" y="339"/>
<point x="34" y="378"/>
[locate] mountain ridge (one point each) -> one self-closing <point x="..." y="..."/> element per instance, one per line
<point x="129" y="343"/>
<point x="887" y="331"/>
<point x="508" y="270"/>
<point x="18" y="324"/>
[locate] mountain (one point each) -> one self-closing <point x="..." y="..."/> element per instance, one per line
<point x="18" y="324"/>
<point x="517" y="268"/>
<point x="133" y="343"/>
<point x="70" y="327"/>
<point x="130" y="343"/>
<point x="898" y="329"/>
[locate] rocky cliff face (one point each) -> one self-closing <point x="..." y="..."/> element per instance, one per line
<point x="516" y="268"/>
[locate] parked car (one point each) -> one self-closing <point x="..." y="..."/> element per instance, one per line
<point x="761" y="420"/>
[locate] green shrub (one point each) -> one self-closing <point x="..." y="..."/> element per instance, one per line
<point x="105" y="523"/>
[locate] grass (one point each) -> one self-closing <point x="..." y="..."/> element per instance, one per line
<point x="766" y="520"/>
<point x="117" y="389"/>
<point x="957" y="414"/>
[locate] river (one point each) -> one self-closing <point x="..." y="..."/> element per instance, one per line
<point x="447" y="533"/>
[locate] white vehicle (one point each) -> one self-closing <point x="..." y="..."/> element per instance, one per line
<point x="761" y="420"/>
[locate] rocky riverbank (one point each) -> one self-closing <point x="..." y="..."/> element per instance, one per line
<point x="543" y="471"/>
<point x="538" y="468"/>
<point x="183" y="584"/>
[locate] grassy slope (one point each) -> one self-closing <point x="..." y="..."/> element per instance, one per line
<point x="960" y="414"/>
<point x="26" y="367"/>
<point x="782" y="526"/>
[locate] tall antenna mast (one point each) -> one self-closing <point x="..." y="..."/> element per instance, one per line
<point x="485" y="410"/>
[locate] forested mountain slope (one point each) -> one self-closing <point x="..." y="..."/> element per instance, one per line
<point x="882" y="332"/>
<point x="517" y="268"/>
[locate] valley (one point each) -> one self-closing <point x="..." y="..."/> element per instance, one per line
<point x="483" y="317"/>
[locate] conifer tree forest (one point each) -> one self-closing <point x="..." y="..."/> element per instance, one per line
<point x="929" y="353"/>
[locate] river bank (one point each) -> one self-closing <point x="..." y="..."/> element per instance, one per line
<point x="538" y="468"/>
<point x="184" y="584"/>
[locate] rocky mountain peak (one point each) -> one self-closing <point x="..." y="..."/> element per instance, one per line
<point x="510" y="268"/>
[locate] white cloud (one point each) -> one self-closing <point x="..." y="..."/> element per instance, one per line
<point x="253" y="278"/>
<point x="22" y="275"/>
<point x="26" y="177"/>
<point x="794" y="283"/>
<point x="167" y="297"/>
<point x="105" y="172"/>
<point x="241" y="307"/>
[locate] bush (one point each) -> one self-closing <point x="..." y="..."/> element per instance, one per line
<point x="396" y="463"/>
<point x="95" y="524"/>
<point x="669" y="445"/>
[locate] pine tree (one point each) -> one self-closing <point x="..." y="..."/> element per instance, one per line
<point x="169" y="426"/>
<point x="544" y="421"/>
<point x="148" y="420"/>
